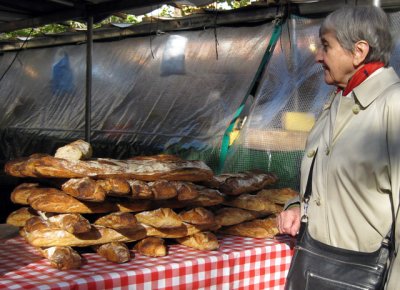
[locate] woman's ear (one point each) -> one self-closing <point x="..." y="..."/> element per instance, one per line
<point x="361" y="49"/>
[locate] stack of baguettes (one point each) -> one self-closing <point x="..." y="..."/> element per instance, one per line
<point x="115" y="206"/>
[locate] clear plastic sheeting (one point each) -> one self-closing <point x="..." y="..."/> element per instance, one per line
<point x="291" y="95"/>
<point x="174" y="93"/>
<point x="171" y="92"/>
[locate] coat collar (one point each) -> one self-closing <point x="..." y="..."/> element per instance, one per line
<point x="373" y="86"/>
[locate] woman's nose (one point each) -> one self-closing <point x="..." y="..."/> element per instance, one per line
<point x="318" y="55"/>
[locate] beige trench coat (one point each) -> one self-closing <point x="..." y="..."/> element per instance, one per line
<point x="356" y="167"/>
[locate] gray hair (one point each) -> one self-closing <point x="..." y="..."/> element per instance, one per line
<point x="351" y="24"/>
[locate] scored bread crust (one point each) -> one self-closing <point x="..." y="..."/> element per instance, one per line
<point x="202" y="241"/>
<point x="151" y="169"/>
<point x="151" y="247"/>
<point x="258" y="228"/>
<point x="48" y="237"/>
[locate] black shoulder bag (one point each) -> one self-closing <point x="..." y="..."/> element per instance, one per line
<point x="318" y="266"/>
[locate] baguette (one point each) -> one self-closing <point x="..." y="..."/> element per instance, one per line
<point x="71" y="222"/>
<point x="115" y="252"/>
<point x="21" y="193"/>
<point x="185" y="191"/>
<point x="206" y="197"/>
<point x="56" y="201"/>
<point x="163" y="189"/>
<point x="278" y="196"/>
<point x="140" y="189"/>
<point x="258" y="228"/>
<point x="85" y="189"/>
<point x="228" y="216"/>
<point x="151" y="247"/>
<point x="39" y="165"/>
<point x="115" y="186"/>
<point x="246" y="182"/>
<point x="205" y="241"/>
<point x="19" y="217"/>
<point x="62" y="258"/>
<point x="254" y="203"/>
<point x="117" y="221"/>
<point x="76" y="150"/>
<point x="48" y="237"/>
<point x="197" y="216"/>
<point x="164" y="218"/>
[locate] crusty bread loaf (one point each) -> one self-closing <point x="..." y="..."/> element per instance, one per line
<point x="85" y="189"/>
<point x="115" y="186"/>
<point x="228" y="216"/>
<point x="254" y="203"/>
<point x="163" y="189"/>
<point x="151" y="247"/>
<point x="76" y="150"/>
<point x="246" y="182"/>
<point x="115" y="252"/>
<point x="185" y="190"/>
<point x="37" y="223"/>
<point x="160" y="218"/>
<point x="133" y="205"/>
<point x="39" y="165"/>
<point x="140" y="189"/>
<point x="21" y="193"/>
<point x="278" y="196"/>
<point x="117" y="220"/>
<point x="258" y="228"/>
<point x="197" y="216"/>
<point x="71" y="222"/>
<point x="56" y="201"/>
<point x="176" y="232"/>
<point x="62" y="258"/>
<point x="201" y="241"/>
<point x="48" y="237"/>
<point x="19" y="217"/>
<point x="206" y="197"/>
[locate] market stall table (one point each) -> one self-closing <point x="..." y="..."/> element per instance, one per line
<point x="240" y="263"/>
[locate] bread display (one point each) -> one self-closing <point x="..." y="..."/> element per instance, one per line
<point x="151" y="247"/>
<point x="150" y="200"/>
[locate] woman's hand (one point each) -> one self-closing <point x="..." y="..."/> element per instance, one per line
<point x="289" y="221"/>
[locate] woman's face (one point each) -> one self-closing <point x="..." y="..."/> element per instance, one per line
<point x="336" y="61"/>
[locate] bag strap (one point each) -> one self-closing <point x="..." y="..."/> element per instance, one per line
<point x="307" y="192"/>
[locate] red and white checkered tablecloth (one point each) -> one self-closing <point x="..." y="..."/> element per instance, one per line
<point x="240" y="263"/>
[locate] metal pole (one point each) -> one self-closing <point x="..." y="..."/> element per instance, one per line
<point x="88" y="103"/>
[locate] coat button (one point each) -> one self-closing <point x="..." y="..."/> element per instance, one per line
<point x="356" y="109"/>
<point x="311" y="153"/>
<point x="318" y="201"/>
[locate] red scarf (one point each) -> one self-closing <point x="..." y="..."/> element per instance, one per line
<point x="361" y="75"/>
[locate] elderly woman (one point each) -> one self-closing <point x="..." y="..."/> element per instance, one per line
<point x="357" y="137"/>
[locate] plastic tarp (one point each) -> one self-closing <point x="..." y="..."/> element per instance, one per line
<point x="150" y="94"/>
<point x="173" y="93"/>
